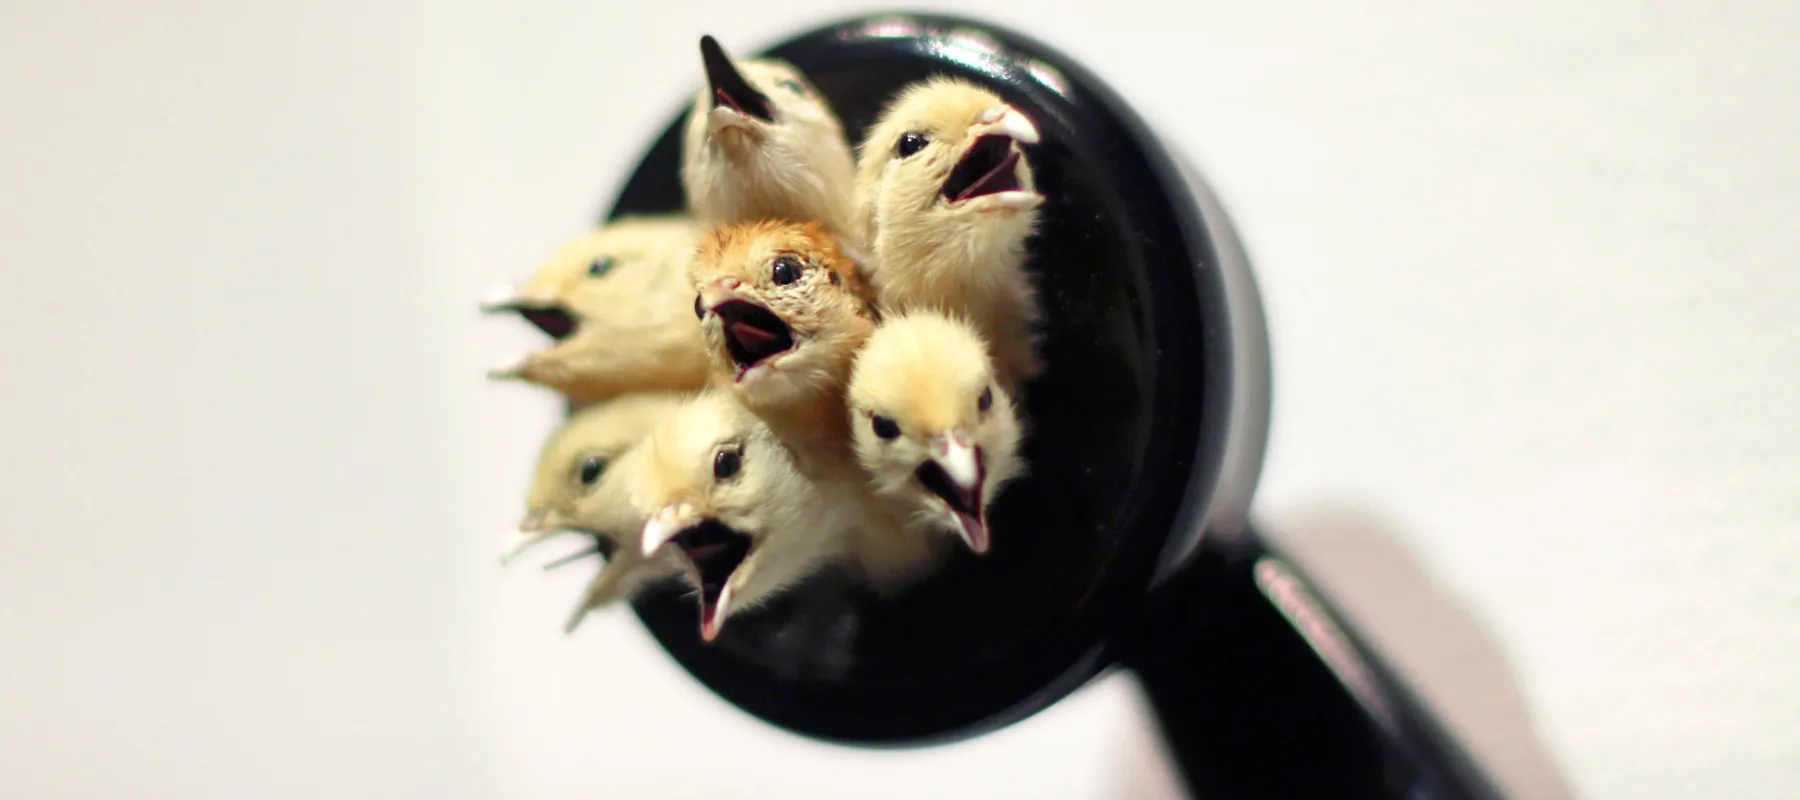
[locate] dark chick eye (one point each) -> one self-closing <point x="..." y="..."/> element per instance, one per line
<point x="884" y="427"/>
<point x="912" y="143"/>
<point x="986" y="400"/>
<point x="699" y="310"/>
<point x="787" y="270"/>
<point x="726" y="463"/>
<point x="591" y="469"/>
<point x="601" y="266"/>
<point x="791" y="86"/>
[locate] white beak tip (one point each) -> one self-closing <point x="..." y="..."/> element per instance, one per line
<point x="660" y="529"/>
<point x="712" y="624"/>
<point x="1019" y="200"/>
<point x="974" y="533"/>
<point x="518" y="542"/>
<point x="522" y="539"/>
<point x="499" y="298"/>
<point x="722" y="118"/>
<point x="1019" y="127"/>
<point x="575" y="619"/>
<point x="721" y="290"/>
<point x="958" y="463"/>
<point x="509" y="371"/>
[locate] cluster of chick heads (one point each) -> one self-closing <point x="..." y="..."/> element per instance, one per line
<point x="817" y="363"/>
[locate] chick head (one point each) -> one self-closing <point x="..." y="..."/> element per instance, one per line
<point x="612" y="300"/>
<point x="782" y="310"/>
<point x="943" y="164"/>
<point x="931" y="425"/>
<point x="576" y="463"/>
<point x="720" y="489"/>
<point x="767" y="121"/>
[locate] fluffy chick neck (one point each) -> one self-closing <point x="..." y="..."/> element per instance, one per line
<point x="816" y="431"/>
<point x="977" y="274"/>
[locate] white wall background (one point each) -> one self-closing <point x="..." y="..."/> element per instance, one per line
<point x="1533" y="269"/>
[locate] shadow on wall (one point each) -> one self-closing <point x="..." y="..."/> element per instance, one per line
<point x="1429" y="637"/>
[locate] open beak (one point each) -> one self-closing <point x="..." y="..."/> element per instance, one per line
<point x="539" y="308"/>
<point x="511" y="370"/>
<point x="720" y="120"/>
<point x="666" y="523"/>
<point x="536" y="528"/>
<point x="752" y="333"/>
<point x="712" y="615"/>
<point x="1009" y="122"/>
<point x="536" y="305"/>
<point x="720" y="292"/>
<point x="958" y="460"/>
<point x="500" y="298"/>
<point x="714" y="551"/>
<point x="955" y="474"/>
<point x="990" y="166"/>
<point x="731" y="92"/>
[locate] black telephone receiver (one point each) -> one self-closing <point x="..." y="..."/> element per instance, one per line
<point x="1130" y="543"/>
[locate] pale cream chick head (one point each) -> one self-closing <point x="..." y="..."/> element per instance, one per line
<point x="580" y="487"/>
<point x="576" y="463"/>
<point x="761" y="141"/>
<point x="724" y="493"/>
<point x="607" y="512"/>
<point x="943" y="167"/>
<point x="782" y="310"/>
<point x="931" y="425"/>
<point x="615" y="302"/>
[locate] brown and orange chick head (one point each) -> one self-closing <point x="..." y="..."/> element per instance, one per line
<point x="724" y="493"/>
<point x="781" y="308"/>
<point x="615" y="302"/>
<point x="943" y="167"/>
<point x="576" y="463"/>
<point x="762" y="142"/>
<point x="931" y="425"/>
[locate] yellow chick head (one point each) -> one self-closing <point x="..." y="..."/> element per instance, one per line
<point x="608" y="512"/>
<point x="580" y="487"/>
<point x="762" y="142"/>
<point x="574" y="463"/>
<point x="615" y="301"/>
<point x="942" y="167"/>
<point x="722" y="491"/>
<point x="782" y="310"/>
<point x="931" y="425"/>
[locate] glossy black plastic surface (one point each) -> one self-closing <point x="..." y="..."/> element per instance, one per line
<point x="1132" y="404"/>
<point x="1129" y="543"/>
<point x="1263" y="690"/>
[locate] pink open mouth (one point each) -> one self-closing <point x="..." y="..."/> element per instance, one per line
<point x="753" y="334"/>
<point x="990" y="166"/>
